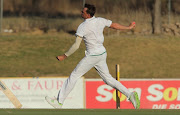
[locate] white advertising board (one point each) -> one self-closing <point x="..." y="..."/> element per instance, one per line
<point x="31" y="92"/>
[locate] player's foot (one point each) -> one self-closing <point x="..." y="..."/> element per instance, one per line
<point x="135" y="100"/>
<point x="53" y="102"/>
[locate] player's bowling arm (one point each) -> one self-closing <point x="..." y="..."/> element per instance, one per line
<point x="121" y="27"/>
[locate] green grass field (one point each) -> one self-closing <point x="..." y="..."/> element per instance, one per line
<point x="28" y="55"/>
<point x="86" y="112"/>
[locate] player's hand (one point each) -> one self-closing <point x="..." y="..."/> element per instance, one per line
<point x="61" y="58"/>
<point x="132" y="25"/>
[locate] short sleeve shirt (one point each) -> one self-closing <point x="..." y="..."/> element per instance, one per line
<point x="91" y="30"/>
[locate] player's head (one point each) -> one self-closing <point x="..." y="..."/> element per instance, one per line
<point x="88" y="11"/>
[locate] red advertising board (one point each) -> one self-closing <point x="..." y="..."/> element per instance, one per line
<point x="153" y="94"/>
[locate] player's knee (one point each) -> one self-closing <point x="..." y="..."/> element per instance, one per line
<point x="73" y="77"/>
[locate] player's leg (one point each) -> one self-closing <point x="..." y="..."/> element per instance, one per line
<point x="84" y="66"/>
<point x="135" y="100"/>
<point x="103" y="71"/>
<point x="53" y="102"/>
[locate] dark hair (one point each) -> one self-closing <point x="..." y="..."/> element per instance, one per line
<point x="91" y="9"/>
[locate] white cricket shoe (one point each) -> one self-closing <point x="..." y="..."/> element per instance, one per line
<point x="53" y="102"/>
<point x="135" y="100"/>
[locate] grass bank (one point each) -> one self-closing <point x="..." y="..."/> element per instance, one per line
<point x="138" y="56"/>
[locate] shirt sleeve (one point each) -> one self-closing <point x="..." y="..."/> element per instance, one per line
<point x="106" y="22"/>
<point x="80" y="31"/>
<point x="74" y="47"/>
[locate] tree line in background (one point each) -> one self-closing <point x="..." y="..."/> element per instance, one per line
<point x="67" y="7"/>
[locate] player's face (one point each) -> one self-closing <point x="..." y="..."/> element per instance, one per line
<point x="84" y="14"/>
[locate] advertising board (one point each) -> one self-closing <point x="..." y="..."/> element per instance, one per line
<point x="153" y="94"/>
<point x="31" y="92"/>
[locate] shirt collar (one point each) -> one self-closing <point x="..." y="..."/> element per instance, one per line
<point x="89" y="19"/>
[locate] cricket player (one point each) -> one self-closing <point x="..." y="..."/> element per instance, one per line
<point x="91" y="32"/>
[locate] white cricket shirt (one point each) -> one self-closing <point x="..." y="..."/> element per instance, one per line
<point x="91" y="30"/>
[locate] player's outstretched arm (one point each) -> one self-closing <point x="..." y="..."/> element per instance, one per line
<point x="61" y="57"/>
<point x="121" y="27"/>
<point x="73" y="48"/>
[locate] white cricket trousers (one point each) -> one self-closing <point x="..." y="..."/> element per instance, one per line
<point x="99" y="63"/>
